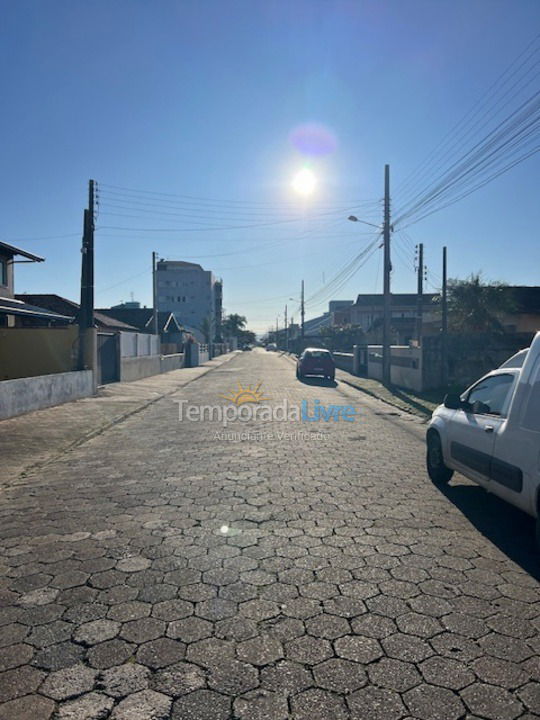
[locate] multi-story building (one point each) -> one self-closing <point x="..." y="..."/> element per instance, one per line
<point x="192" y="294"/>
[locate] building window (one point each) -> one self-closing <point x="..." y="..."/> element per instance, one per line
<point x="3" y="272"/>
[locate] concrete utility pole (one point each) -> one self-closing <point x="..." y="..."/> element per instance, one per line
<point x="302" y="313"/>
<point x="444" y="328"/>
<point x="420" y="298"/>
<point x="387" y="270"/>
<point x="277" y="329"/>
<point x="286" y="331"/>
<point x="86" y="315"/>
<point x="87" y="339"/>
<point x="155" y="327"/>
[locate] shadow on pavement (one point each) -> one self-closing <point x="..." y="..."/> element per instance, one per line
<point x="317" y="381"/>
<point x="510" y="529"/>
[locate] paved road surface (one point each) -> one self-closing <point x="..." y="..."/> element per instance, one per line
<point x="162" y="570"/>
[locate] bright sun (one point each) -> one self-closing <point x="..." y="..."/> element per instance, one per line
<point x="304" y="182"/>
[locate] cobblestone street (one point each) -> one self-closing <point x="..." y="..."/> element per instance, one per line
<point x="165" y="569"/>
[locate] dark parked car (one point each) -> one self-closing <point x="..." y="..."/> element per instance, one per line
<point x="316" y="361"/>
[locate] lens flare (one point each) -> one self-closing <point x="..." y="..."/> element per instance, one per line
<point x="304" y="182"/>
<point x="313" y="139"/>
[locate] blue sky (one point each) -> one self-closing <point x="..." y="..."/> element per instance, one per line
<point x="199" y="98"/>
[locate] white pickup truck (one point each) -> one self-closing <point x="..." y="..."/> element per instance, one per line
<point x="491" y="433"/>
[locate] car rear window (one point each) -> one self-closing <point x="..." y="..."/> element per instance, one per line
<point x="318" y="354"/>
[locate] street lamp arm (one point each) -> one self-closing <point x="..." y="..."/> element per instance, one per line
<point x="353" y="218"/>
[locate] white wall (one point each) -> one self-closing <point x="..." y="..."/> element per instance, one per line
<point x="34" y="393"/>
<point x="405" y="369"/>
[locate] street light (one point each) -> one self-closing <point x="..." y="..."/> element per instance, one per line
<point x="353" y="218"/>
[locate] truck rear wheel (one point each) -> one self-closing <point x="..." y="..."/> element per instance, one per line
<point x="437" y="470"/>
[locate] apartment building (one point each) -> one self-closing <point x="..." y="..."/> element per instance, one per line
<point x="192" y="294"/>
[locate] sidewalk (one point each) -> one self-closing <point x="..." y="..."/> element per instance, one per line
<point x="36" y="438"/>
<point x="421" y="405"/>
<point x="405" y="400"/>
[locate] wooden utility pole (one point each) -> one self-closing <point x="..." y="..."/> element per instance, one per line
<point x="386" y="360"/>
<point x="444" y="327"/>
<point x="302" y="313"/>
<point x="420" y="298"/>
<point x="155" y="326"/>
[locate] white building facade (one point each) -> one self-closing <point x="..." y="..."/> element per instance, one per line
<point x="192" y="294"/>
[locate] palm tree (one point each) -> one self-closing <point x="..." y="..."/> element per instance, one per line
<point x="233" y="325"/>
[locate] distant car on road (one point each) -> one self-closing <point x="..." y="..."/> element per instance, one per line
<point x="247" y="347"/>
<point x="316" y="361"/>
<point x="271" y="347"/>
<point x="491" y="433"/>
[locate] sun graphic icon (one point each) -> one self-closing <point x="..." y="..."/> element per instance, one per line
<point x="246" y="394"/>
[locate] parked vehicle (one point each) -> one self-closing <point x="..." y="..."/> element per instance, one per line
<point x="491" y="433"/>
<point x="271" y="347"/>
<point x="316" y="361"/>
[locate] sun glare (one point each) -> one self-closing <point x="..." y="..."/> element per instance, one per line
<point x="304" y="182"/>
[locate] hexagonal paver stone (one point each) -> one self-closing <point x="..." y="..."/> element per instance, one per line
<point x="209" y="651"/>
<point x="261" y="705"/>
<point x="69" y="682"/>
<point x="491" y="702"/>
<point x="358" y="648"/>
<point x="143" y="630"/>
<point x="44" y="635"/>
<point x="236" y="628"/>
<point x="346" y="607"/>
<point x="170" y="610"/>
<point x="216" y="609"/>
<point x="30" y="707"/>
<point x="96" y="631"/>
<point x="179" y="679"/>
<point x="202" y="705"/>
<point x="15" y="655"/>
<point x="375" y="626"/>
<point x="198" y="592"/>
<point x="259" y="609"/>
<point x="69" y="579"/>
<point x="12" y="634"/>
<point x="417" y="624"/>
<point x="407" y="647"/>
<point x="427" y="701"/>
<point x="316" y="704"/>
<point x="394" y="674"/>
<point x="506" y="648"/>
<point x="143" y="705"/>
<point x="39" y="596"/>
<point x="376" y="704"/>
<point x="342" y="676"/>
<point x="124" y="679"/>
<point x="232" y="677"/>
<point x="110" y="653"/>
<point x="161" y="652"/>
<point x="286" y="677"/>
<point x="308" y="650"/>
<point x="20" y="681"/>
<point x="92" y="706"/>
<point x="260" y="650"/>
<point x="447" y="672"/>
<point x="530" y="696"/>
<point x="190" y="629"/>
<point x="133" y="610"/>
<point x="328" y="626"/>
<point x="135" y="563"/>
<point x="56" y="657"/>
<point x="238" y="592"/>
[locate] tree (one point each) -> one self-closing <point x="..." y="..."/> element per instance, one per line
<point x="233" y="325"/>
<point x="475" y="306"/>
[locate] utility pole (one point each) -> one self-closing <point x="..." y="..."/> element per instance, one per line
<point x="302" y="313"/>
<point x="387" y="270"/>
<point x="86" y="310"/>
<point x="155" y="327"/>
<point x="87" y="271"/>
<point x="286" y="331"/>
<point x="444" y="333"/>
<point x="420" y="298"/>
<point x="277" y="329"/>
